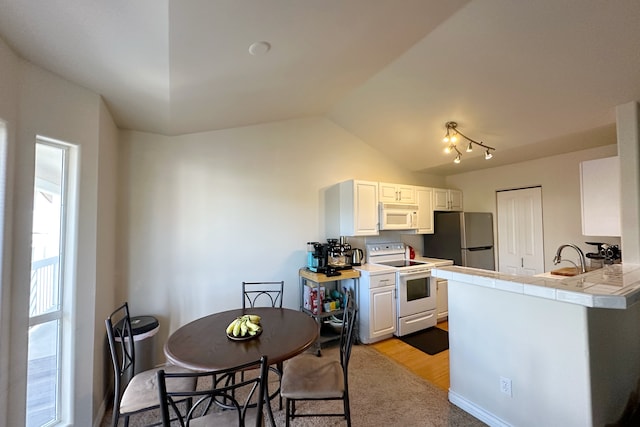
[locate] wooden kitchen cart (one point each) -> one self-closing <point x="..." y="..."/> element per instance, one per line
<point x="315" y="281"/>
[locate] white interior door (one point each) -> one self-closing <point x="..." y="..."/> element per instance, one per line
<point x="520" y="236"/>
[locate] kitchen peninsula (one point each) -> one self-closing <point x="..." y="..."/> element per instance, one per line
<point x="531" y="351"/>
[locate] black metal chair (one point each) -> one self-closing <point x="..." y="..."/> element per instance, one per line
<point x="262" y="294"/>
<point x="307" y="377"/>
<point x="265" y="294"/>
<point x="133" y="393"/>
<point x="243" y="400"/>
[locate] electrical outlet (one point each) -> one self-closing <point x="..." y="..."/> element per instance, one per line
<point x="505" y="386"/>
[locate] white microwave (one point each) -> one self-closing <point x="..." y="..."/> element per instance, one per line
<point x="394" y="216"/>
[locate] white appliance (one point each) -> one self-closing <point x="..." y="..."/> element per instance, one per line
<point x="415" y="289"/>
<point x="395" y="216"/>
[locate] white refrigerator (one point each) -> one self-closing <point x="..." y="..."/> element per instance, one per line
<point x="464" y="237"/>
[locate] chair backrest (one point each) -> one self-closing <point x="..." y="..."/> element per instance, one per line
<point x="242" y="397"/>
<point x="262" y="294"/>
<point x="120" y="337"/>
<point x="347" y="331"/>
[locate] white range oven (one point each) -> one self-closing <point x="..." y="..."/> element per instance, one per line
<point x="415" y="289"/>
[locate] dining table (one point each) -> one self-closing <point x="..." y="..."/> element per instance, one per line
<point x="203" y="344"/>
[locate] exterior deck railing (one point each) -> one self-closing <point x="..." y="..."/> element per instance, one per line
<point x="45" y="295"/>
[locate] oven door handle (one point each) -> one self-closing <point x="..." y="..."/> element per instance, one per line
<point x="421" y="273"/>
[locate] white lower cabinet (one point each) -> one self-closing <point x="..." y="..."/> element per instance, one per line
<point x="442" y="300"/>
<point x="377" y="306"/>
<point x="382" y="312"/>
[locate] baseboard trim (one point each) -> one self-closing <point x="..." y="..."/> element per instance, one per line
<point x="478" y="412"/>
<point x="97" y="422"/>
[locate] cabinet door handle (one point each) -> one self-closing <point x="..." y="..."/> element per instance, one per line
<point x="522" y="262"/>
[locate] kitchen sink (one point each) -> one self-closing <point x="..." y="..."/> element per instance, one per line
<point x="562" y="273"/>
<point x="569" y="271"/>
<point x="566" y="271"/>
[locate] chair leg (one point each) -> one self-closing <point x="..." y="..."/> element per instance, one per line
<point x="287" y="412"/>
<point x="280" y="370"/>
<point x="267" y="403"/>
<point x="347" y="412"/>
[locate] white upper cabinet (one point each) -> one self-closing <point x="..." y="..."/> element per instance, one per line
<point x="424" y="200"/>
<point x="447" y="200"/>
<point x="455" y="200"/>
<point x="600" y="196"/>
<point x="396" y="193"/>
<point x="352" y="209"/>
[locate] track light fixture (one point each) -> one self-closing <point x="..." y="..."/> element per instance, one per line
<point x="451" y="137"/>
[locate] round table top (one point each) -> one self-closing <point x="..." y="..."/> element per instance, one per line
<point x="203" y="345"/>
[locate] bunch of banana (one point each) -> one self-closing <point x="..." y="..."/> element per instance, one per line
<point x="249" y="324"/>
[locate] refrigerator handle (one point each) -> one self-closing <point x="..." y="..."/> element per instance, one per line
<point x="482" y="248"/>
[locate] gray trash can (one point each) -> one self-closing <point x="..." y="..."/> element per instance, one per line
<point x="144" y="330"/>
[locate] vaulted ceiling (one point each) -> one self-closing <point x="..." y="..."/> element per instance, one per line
<point x="530" y="78"/>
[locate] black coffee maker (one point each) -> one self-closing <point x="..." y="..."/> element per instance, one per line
<point x="328" y="258"/>
<point x="605" y="254"/>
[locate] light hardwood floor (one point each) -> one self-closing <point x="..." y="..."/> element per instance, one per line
<point x="434" y="369"/>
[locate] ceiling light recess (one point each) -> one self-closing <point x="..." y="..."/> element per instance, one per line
<point x="451" y="137"/>
<point x="259" y="48"/>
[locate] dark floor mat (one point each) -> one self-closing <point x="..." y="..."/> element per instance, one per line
<point x="431" y="341"/>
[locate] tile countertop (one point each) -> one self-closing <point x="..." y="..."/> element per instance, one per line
<point x="435" y="261"/>
<point x="374" y="268"/>
<point x="614" y="286"/>
<point x="377" y="268"/>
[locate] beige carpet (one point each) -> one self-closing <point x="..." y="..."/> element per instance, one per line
<point x="382" y="392"/>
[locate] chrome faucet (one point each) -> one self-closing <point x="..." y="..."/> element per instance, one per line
<point x="583" y="263"/>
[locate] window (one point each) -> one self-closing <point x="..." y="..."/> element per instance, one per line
<point x="49" y="283"/>
<point x="4" y="327"/>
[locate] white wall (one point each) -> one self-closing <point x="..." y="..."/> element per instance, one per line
<point x="614" y="350"/>
<point x="40" y="103"/>
<point x="9" y="77"/>
<point x="200" y="213"/>
<point x="559" y="177"/>
<point x="628" y="130"/>
<point x="105" y="252"/>
<point x="540" y="344"/>
<point x="569" y="365"/>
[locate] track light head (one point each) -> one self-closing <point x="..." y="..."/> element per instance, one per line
<point x="451" y="138"/>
